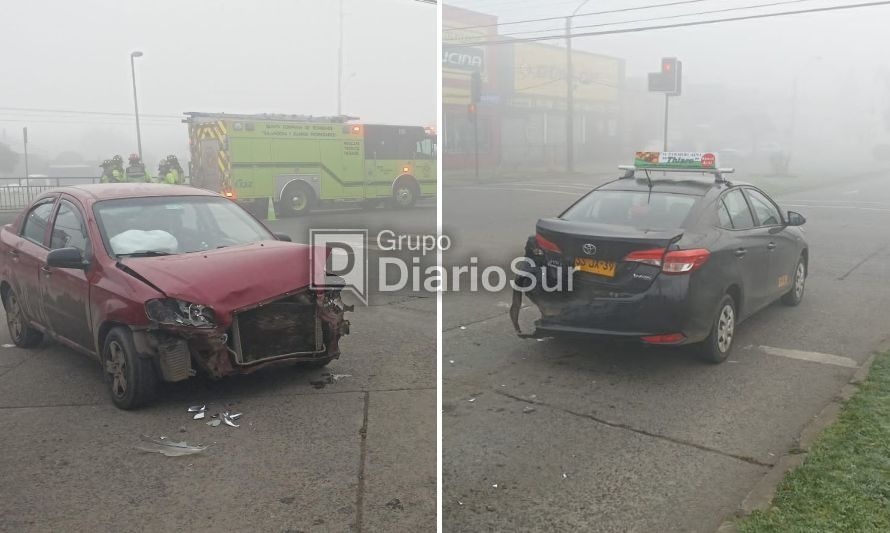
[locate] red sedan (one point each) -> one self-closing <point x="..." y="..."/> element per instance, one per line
<point x="159" y="281"/>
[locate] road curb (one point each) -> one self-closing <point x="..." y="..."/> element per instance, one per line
<point x="761" y="495"/>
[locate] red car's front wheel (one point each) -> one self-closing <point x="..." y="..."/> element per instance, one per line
<point x="132" y="378"/>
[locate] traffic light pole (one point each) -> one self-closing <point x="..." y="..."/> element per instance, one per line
<point x="667" y="99"/>
<point x="476" y="144"/>
<point x="570" y="100"/>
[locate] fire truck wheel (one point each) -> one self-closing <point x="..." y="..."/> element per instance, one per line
<point x="404" y="193"/>
<point x="296" y="199"/>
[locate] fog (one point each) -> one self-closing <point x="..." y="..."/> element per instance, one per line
<point x="277" y="56"/>
<point x="839" y="61"/>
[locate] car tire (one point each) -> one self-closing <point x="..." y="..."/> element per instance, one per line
<point x="715" y="349"/>
<point x="133" y="380"/>
<point x="296" y="199"/>
<point x="22" y="333"/>
<point x="404" y="194"/>
<point x="793" y="297"/>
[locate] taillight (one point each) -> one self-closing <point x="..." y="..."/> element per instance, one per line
<point x="547" y="244"/>
<point x="674" y="262"/>
<point x="682" y="261"/>
<point x="648" y="257"/>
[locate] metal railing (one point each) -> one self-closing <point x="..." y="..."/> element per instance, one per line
<point x="16" y="193"/>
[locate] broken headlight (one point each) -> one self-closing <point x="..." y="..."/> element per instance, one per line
<point x="179" y="313"/>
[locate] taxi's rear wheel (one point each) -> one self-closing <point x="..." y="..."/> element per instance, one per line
<point x="715" y="349"/>
<point x="132" y="379"/>
<point x="20" y="331"/>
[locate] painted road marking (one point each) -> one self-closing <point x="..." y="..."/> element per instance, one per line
<point x="857" y="207"/>
<point x="814" y="357"/>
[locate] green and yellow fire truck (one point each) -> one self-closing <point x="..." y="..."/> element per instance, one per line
<point x="299" y="162"/>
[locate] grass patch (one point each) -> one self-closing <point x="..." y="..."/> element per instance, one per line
<point x="844" y="483"/>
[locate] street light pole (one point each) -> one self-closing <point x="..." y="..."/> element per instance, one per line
<point x="570" y="93"/>
<point x="134" y="55"/>
<point x="340" y="65"/>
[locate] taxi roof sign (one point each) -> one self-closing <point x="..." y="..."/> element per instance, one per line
<point x="676" y="162"/>
<point x="684" y="160"/>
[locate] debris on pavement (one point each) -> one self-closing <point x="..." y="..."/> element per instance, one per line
<point x="9" y="345"/>
<point x="395" y="504"/>
<point x="527" y="410"/>
<point x="472" y="400"/>
<point x="214" y="422"/>
<point x="199" y="415"/>
<point x="229" y="420"/>
<point x="197" y="408"/>
<point x="168" y="447"/>
<point x="463" y="327"/>
<point x="338" y="377"/>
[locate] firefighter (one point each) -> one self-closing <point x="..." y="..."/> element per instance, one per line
<point x="136" y="170"/>
<point x="171" y="172"/>
<point x="113" y="170"/>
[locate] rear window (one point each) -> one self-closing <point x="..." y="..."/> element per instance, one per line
<point x="638" y="209"/>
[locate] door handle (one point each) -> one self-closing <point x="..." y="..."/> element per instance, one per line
<point x="46" y="270"/>
<point x="771" y="246"/>
<point x="740" y="253"/>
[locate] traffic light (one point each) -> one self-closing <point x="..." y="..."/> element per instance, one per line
<point x="475" y="87"/>
<point x="471" y="110"/>
<point x="669" y="78"/>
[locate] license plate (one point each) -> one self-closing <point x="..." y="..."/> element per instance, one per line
<point x="596" y="266"/>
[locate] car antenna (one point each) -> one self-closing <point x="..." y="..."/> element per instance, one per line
<point x="649" y="181"/>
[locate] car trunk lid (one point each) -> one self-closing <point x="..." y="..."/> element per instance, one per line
<point x="603" y="248"/>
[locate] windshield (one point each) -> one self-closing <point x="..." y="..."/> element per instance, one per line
<point x="638" y="209"/>
<point x="169" y="225"/>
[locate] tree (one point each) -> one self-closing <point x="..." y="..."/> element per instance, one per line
<point x="9" y="159"/>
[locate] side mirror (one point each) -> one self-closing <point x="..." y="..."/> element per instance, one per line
<point x="66" y="258"/>
<point x="796" y="219"/>
<point x="283" y="237"/>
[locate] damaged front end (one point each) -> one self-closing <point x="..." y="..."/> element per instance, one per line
<point x="300" y="326"/>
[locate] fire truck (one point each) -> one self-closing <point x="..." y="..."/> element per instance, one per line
<point x="299" y="162"/>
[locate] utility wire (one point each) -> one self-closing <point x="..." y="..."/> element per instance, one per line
<point x="665" y="17"/>
<point x="545" y="19"/>
<point x="76" y="112"/>
<point x="678" y="25"/>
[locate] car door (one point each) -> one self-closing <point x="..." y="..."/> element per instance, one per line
<point x="782" y="245"/>
<point x="65" y="291"/>
<point x="748" y="244"/>
<point x="29" y="254"/>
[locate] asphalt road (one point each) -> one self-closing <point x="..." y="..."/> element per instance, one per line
<point x="357" y="454"/>
<point x="566" y="435"/>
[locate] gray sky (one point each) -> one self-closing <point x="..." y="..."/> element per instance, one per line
<point x="840" y="58"/>
<point x="275" y="56"/>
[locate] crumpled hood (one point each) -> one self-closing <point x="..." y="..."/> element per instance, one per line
<point x="229" y="279"/>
